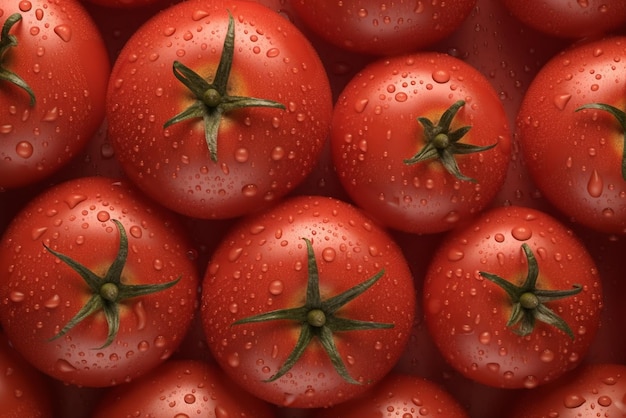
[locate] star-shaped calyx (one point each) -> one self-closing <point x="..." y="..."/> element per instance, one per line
<point x="108" y="291"/>
<point x="529" y="302"/>
<point x="317" y="318"/>
<point x="212" y="98"/>
<point x="8" y="41"/>
<point x="620" y="116"/>
<point x="443" y="144"/>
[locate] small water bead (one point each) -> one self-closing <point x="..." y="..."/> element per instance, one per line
<point x="573" y="400"/>
<point x="276" y="287"/>
<point x="522" y="233"/>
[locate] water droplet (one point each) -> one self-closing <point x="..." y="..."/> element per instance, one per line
<point x="241" y="155"/>
<point x="522" y="233"/>
<point x="73" y="200"/>
<point x="140" y="313"/>
<point x="485" y="338"/>
<point x="16" y="296"/>
<point x="573" y="401"/>
<point x="157" y="264"/>
<point x="276" y="287"/>
<point x="401" y="97"/>
<point x="64" y="366"/>
<point x="561" y="100"/>
<point x="24" y="149"/>
<point x="595" y="185"/>
<point x="272" y="52"/>
<point x="455" y="254"/>
<point x="143" y="346"/>
<point x="25" y="5"/>
<point x="51" y="115"/>
<point x="136" y="231"/>
<point x="234" y="254"/>
<point x="250" y="190"/>
<point x="441" y="76"/>
<point x="360" y="105"/>
<point x="103" y="216"/>
<point x="233" y="360"/>
<point x="37" y="233"/>
<point x="546" y="356"/>
<point x="64" y="32"/>
<point x="189" y="398"/>
<point x="499" y="237"/>
<point x="329" y="254"/>
<point x="53" y="302"/>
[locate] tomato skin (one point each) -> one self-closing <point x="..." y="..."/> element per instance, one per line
<point x="40" y="294"/>
<point x="24" y="391"/>
<point x="467" y="315"/>
<point x="398" y="394"/>
<point x="593" y="390"/>
<point x="59" y="48"/>
<point x="575" y="157"/>
<point x="382" y="28"/>
<point x="181" y="388"/>
<point x="375" y="129"/>
<point x="261" y="265"/>
<point x="263" y="153"/>
<point x="570" y="18"/>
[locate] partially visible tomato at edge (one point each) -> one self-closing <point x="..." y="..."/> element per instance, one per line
<point x="61" y="57"/>
<point x="85" y="220"/>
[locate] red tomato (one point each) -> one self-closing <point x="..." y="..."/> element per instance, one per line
<point x="308" y="303"/>
<point x="513" y="300"/>
<point x="24" y="391"/>
<point x="54" y="71"/>
<point x="595" y="390"/>
<point x="253" y="137"/>
<point x="575" y="155"/>
<point x="399" y="395"/>
<point x="181" y="388"/>
<point x="383" y="27"/>
<point x="570" y="18"/>
<point x="420" y="141"/>
<point x="97" y="282"/>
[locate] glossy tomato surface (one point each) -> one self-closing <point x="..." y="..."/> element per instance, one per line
<point x="471" y="318"/>
<point x="377" y="130"/>
<point x="41" y="293"/>
<point x="575" y="156"/>
<point x="262" y="153"/>
<point x="570" y="18"/>
<point x="262" y="265"/>
<point x="382" y="27"/>
<point x="59" y="54"/>
<point x="182" y="388"/>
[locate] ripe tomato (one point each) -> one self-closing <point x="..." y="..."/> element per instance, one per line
<point x="253" y="137"/>
<point x="54" y="71"/>
<point x="399" y="395"/>
<point x="308" y="303"/>
<point x="24" y="391"/>
<point x="513" y="300"/>
<point x="382" y="28"/>
<point x="595" y="390"/>
<point x="97" y="283"/>
<point x="420" y="141"/>
<point x="570" y="18"/>
<point x="181" y="388"/>
<point x="575" y="155"/>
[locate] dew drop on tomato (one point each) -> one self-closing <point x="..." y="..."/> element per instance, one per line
<point x="573" y="400"/>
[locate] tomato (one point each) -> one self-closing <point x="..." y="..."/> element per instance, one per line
<point x="24" y="392"/>
<point x="513" y="300"/>
<point x="252" y="138"/>
<point x="595" y="390"/>
<point x="570" y="18"/>
<point x="420" y="141"/>
<point x="98" y="286"/>
<point x="400" y="395"/>
<point x="575" y="154"/>
<point x="181" y="388"/>
<point x="54" y="71"/>
<point x="382" y="28"/>
<point x="284" y="288"/>
<point x="509" y="54"/>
